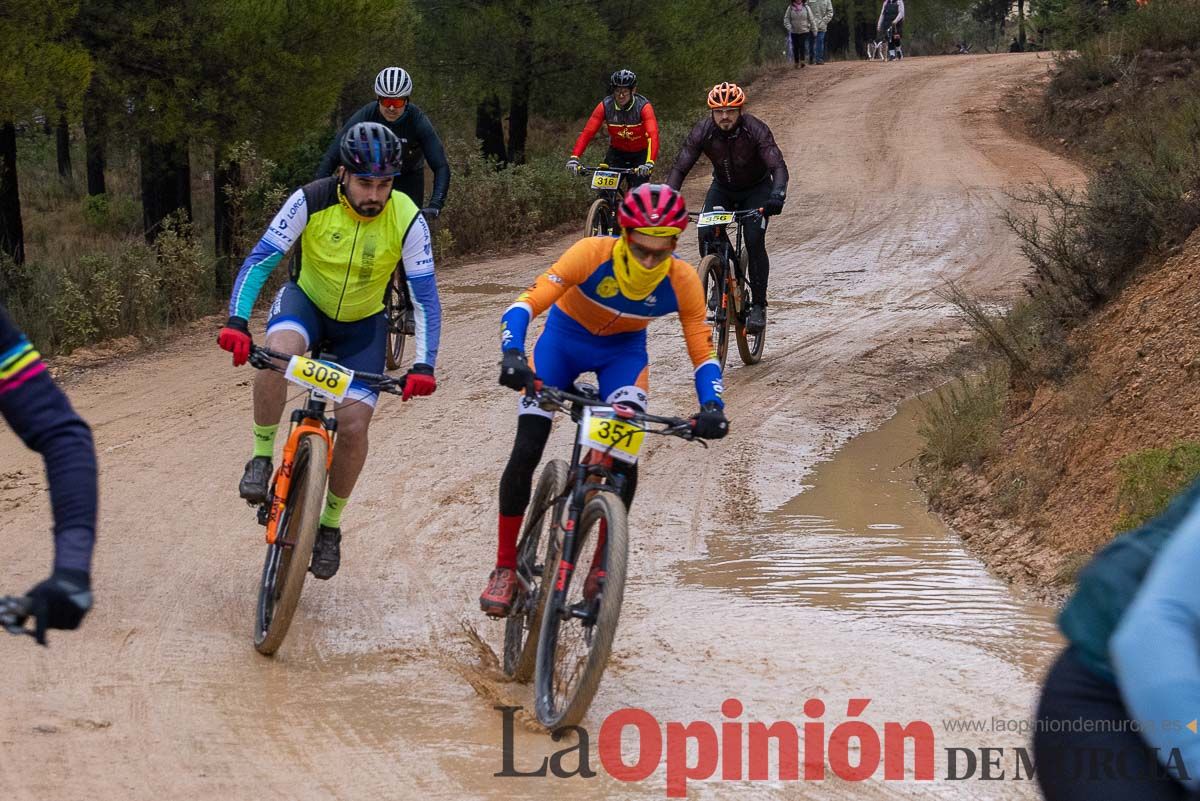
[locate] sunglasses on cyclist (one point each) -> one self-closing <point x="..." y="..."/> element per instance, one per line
<point x="655" y="256"/>
<point x="393" y="103"/>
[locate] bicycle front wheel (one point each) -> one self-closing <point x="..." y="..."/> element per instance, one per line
<point x="712" y="274"/>
<point x="750" y="347"/>
<point x="599" y="219"/>
<point x="577" y="631"/>
<point x="397" y="313"/>
<point x="525" y="621"/>
<point x="287" y="559"/>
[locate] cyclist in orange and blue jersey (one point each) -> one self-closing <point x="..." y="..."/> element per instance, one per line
<point x="632" y="129"/>
<point x="602" y="294"/>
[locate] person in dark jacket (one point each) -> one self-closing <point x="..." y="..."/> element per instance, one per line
<point x="420" y="141"/>
<point x="748" y="173"/>
<point x="40" y="414"/>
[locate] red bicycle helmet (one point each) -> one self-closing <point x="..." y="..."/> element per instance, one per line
<point x="654" y="209"/>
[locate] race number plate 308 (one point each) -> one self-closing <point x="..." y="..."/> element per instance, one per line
<point x="708" y="218"/>
<point x="605" y="180"/>
<point x="324" y="378"/>
<point x="604" y="431"/>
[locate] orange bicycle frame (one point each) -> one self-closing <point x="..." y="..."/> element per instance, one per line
<point x="283" y="477"/>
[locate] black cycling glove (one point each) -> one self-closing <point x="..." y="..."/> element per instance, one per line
<point x="515" y="372"/>
<point x="773" y="206"/>
<point x="711" y="422"/>
<point x="61" y="601"/>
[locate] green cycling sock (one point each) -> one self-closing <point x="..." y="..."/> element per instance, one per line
<point x="264" y="440"/>
<point x="334" y="506"/>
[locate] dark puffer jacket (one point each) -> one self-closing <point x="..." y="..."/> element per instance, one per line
<point x="741" y="158"/>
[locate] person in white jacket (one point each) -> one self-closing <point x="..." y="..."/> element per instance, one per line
<point x="800" y="23"/>
<point x="822" y="12"/>
<point x="891" y="23"/>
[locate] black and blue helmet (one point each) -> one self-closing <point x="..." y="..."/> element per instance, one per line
<point x="371" y="150"/>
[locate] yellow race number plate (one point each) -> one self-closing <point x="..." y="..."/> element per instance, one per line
<point x="605" y="180"/>
<point x="324" y="378"/>
<point x="604" y="431"/>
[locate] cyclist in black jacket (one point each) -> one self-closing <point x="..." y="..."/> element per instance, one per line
<point x="420" y="141"/>
<point x="40" y="414"/>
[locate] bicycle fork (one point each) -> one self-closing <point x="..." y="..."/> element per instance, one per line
<point x="304" y="424"/>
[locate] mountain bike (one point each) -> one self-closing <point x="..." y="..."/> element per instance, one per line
<point x="401" y="322"/>
<point x="724" y="269"/>
<point x="610" y="183"/>
<point x="292" y="511"/>
<point x="560" y="632"/>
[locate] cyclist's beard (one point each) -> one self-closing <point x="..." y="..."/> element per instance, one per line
<point x="370" y="208"/>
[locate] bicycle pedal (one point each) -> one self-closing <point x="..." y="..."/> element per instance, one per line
<point x="264" y="513"/>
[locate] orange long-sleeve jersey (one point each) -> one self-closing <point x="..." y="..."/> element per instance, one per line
<point x="586" y="299"/>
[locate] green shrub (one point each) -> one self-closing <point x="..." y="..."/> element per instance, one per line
<point x="492" y="207"/>
<point x="961" y="423"/>
<point x="1150" y="478"/>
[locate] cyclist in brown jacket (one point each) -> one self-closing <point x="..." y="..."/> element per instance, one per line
<point x="748" y="173"/>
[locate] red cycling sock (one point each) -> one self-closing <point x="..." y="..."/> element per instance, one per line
<point x="506" y="549"/>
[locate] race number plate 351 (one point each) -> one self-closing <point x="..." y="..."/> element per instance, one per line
<point x="708" y="218"/>
<point x="604" y="431"/>
<point x="605" y="180"/>
<point x="324" y="378"/>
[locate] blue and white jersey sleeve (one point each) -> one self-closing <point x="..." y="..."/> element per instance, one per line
<point x="1155" y="651"/>
<point x="422" y="288"/>
<point x="283" y="232"/>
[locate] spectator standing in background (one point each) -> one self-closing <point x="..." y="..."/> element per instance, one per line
<point x="800" y="23"/>
<point x="822" y="11"/>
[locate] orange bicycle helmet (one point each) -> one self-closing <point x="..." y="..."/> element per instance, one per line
<point x="726" y="95"/>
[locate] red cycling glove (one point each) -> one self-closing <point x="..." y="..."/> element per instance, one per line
<point x="419" y="381"/>
<point x="235" y="338"/>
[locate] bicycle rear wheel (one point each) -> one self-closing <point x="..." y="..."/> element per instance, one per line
<point x="524" y="622"/>
<point x="577" y="632"/>
<point x="396" y="308"/>
<point x="287" y="559"/>
<point x="712" y="274"/>
<point x="599" y="219"/>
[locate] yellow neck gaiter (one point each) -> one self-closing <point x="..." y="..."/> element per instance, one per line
<point x="636" y="282"/>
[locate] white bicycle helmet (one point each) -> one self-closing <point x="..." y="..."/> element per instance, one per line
<point x="393" y="82"/>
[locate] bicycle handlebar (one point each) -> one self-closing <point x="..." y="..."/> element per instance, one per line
<point x="552" y="398"/>
<point x="261" y="358"/>
<point x="14" y="611"/>
<point x="618" y="170"/>
<point x="741" y="214"/>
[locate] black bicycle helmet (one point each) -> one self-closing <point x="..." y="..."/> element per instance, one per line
<point x="371" y="150"/>
<point x="625" y="78"/>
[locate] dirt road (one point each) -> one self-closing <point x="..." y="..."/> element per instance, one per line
<point x="898" y="171"/>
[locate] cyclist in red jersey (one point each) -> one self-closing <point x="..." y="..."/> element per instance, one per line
<point x="632" y="129"/>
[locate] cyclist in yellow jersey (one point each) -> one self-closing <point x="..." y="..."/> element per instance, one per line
<point x="349" y="232"/>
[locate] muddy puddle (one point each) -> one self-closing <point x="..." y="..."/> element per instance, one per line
<point x="859" y="540"/>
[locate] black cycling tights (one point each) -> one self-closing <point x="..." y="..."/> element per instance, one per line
<point x="516" y="483"/>
<point x="754" y="233"/>
<point x="1110" y="763"/>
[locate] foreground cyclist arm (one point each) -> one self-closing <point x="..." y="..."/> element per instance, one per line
<point x="40" y="414"/>
<point x="427" y="307"/>
<point x="1156" y="649"/>
<point x="711" y="422"/>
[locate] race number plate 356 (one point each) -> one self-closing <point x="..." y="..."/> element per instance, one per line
<point x="324" y="378"/>
<point x="708" y="218"/>
<point x="604" y="431"/>
<point x="605" y="180"/>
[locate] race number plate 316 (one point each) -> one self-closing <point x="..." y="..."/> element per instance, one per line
<point x="604" y="431"/>
<point x="324" y="378"/>
<point x="605" y="180"/>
